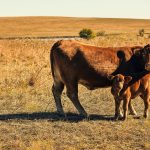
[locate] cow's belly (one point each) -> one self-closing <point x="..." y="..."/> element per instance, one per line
<point x="95" y="84"/>
<point x="94" y="79"/>
<point x="88" y="85"/>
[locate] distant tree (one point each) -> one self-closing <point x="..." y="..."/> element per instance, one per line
<point x="87" y="34"/>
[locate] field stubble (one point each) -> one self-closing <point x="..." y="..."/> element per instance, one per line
<point x="28" y="118"/>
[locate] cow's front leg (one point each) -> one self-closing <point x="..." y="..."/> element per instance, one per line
<point x="72" y="93"/>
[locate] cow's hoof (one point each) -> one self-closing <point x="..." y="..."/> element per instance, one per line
<point x="145" y="116"/>
<point x="61" y="114"/>
<point x="133" y="113"/>
<point x="123" y="119"/>
<point x="85" y="115"/>
<point x="118" y="116"/>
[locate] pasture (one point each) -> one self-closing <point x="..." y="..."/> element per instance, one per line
<point x="67" y="26"/>
<point x="27" y="111"/>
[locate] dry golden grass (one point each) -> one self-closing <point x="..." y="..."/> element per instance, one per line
<point x="28" y="120"/>
<point x="27" y="116"/>
<point x="66" y="26"/>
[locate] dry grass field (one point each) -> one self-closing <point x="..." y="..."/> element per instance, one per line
<point x="27" y="113"/>
<point x="67" y="26"/>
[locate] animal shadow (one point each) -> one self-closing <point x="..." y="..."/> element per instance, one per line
<point x="53" y="116"/>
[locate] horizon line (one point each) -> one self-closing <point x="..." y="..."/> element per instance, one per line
<point x="74" y="17"/>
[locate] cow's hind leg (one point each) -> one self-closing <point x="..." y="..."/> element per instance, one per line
<point x="57" y="89"/>
<point x="72" y="93"/>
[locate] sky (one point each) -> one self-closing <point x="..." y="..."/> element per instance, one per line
<point x="77" y="8"/>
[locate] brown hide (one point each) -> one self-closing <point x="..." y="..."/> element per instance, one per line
<point x="126" y="88"/>
<point x="90" y="65"/>
<point x="73" y="62"/>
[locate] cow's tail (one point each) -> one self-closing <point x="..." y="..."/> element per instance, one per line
<point x="52" y="61"/>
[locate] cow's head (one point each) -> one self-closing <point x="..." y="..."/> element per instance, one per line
<point x="146" y="55"/>
<point x="118" y="83"/>
<point x="142" y="57"/>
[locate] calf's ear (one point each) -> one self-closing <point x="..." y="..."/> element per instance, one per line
<point x="127" y="79"/>
<point x="110" y="77"/>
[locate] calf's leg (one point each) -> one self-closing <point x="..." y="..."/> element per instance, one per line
<point x="118" y="112"/>
<point x="147" y="104"/>
<point x="131" y="109"/>
<point x="125" y="108"/>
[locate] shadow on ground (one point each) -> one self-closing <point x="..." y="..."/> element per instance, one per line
<point x="53" y="116"/>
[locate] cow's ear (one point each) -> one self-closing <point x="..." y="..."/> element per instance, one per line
<point x="135" y="49"/>
<point x="127" y="79"/>
<point x="147" y="47"/>
<point x="110" y="77"/>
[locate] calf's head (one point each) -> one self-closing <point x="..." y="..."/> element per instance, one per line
<point x="118" y="83"/>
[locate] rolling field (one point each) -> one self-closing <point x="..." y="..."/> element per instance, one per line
<point x="67" y="26"/>
<point x="28" y="120"/>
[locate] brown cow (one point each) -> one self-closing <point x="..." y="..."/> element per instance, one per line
<point x="73" y="62"/>
<point x="126" y="88"/>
